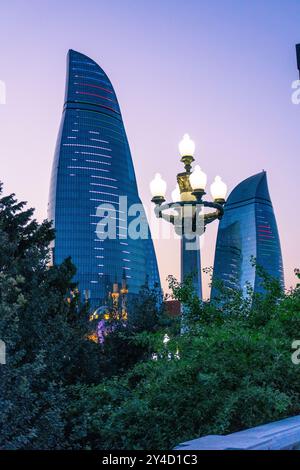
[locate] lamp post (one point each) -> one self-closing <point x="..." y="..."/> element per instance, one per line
<point x="186" y="212"/>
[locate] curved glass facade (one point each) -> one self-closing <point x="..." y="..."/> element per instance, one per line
<point x="248" y="228"/>
<point x="93" y="167"/>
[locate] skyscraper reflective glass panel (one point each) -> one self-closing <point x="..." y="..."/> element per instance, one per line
<point x="248" y="229"/>
<point x="93" y="167"/>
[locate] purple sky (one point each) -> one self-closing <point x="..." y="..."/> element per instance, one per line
<point x="219" y="70"/>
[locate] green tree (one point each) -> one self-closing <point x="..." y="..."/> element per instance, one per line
<point x="59" y="390"/>
<point x="45" y="329"/>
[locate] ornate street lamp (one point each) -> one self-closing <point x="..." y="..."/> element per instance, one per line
<point x="186" y="212"/>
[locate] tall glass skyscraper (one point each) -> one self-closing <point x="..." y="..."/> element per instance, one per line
<point x="93" y="167"/>
<point x="248" y="228"/>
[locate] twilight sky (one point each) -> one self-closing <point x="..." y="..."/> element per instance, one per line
<point x="220" y="70"/>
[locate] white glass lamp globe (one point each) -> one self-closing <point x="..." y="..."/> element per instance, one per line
<point x="198" y="179"/>
<point x="186" y="146"/>
<point x="158" y="186"/>
<point x="218" y="189"/>
<point x="176" y="194"/>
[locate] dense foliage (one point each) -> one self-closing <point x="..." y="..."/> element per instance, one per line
<point x="235" y="371"/>
<point x="44" y="327"/>
<point x="60" y="390"/>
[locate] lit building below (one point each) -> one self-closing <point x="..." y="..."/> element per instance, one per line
<point x="115" y="310"/>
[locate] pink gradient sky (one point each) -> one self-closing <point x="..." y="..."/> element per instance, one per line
<point x="219" y="70"/>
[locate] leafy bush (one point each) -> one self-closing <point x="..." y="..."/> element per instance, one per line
<point x="61" y="391"/>
<point x="235" y="371"/>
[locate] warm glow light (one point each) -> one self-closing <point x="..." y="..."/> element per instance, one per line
<point x="158" y="186"/>
<point x="198" y="179"/>
<point x="93" y="337"/>
<point x="176" y="194"/>
<point x="186" y="146"/>
<point x="218" y="189"/>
